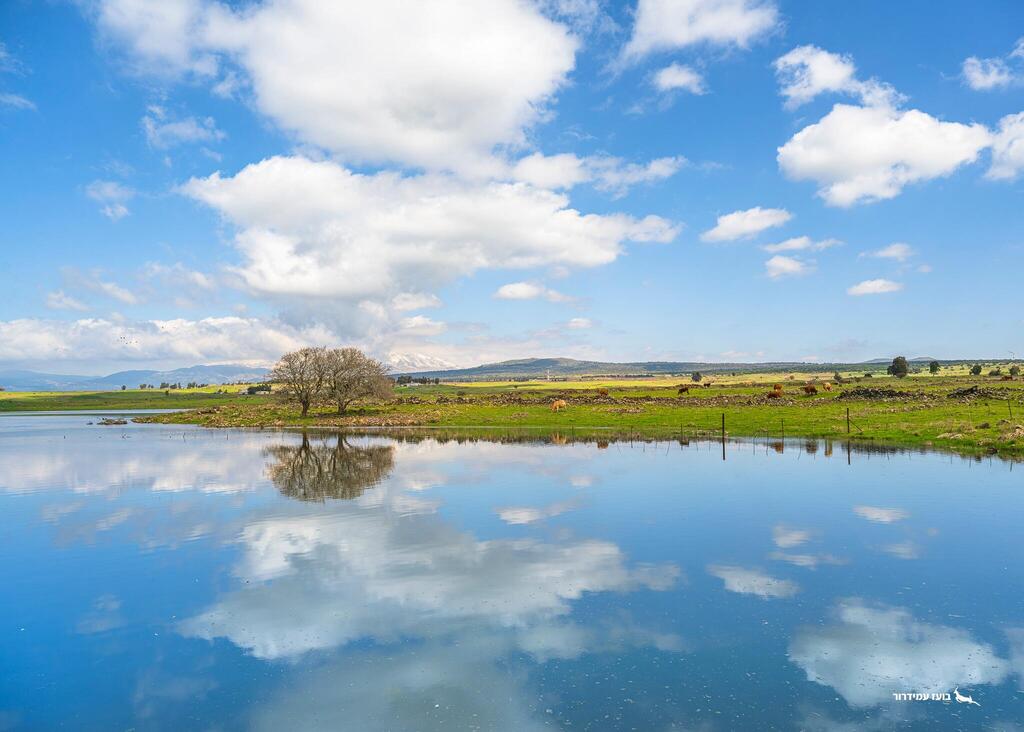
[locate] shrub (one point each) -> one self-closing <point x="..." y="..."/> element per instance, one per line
<point x="995" y="372"/>
<point x="1015" y="371"/>
<point x="976" y="369"/>
<point x="934" y="367"/>
<point x="696" y="376"/>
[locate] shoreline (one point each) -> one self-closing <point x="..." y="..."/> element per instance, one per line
<point x="963" y="415"/>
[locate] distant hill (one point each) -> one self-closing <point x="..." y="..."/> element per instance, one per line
<point x="559" y="367"/>
<point x="21" y="380"/>
<point x="540" y="368"/>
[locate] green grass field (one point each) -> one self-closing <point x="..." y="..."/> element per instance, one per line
<point x="34" y="401"/>
<point x="915" y="411"/>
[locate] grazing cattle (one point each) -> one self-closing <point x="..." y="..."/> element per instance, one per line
<point x="777" y="387"/>
<point x="602" y="392"/>
<point x="706" y="384"/>
<point x="826" y="386"/>
<point x="810" y="390"/>
<point x="773" y="394"/>
<point x="558" y="405"/>
<point x="683" y="390"/>
<point x="1007" y="378"/>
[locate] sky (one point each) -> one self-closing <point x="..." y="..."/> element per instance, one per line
<point x="452" y="183"/>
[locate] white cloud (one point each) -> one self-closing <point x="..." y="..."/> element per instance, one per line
<point x="983" y="74"/>
<point x="162" y="37"/>
<point x="394" y="574"/>
<point x="880" y="515"/>
<point x="115" y="291"/>
<point x="179" y="277"/>
<point x="112" y="195"/>
<point x="786" y="537"/>
<point x="807" y="561"/>
<point x="564" y="170"/>
<point x="404" y="301"/>
<point x="101" y="467"/>
<point x="210" y="340"/>
<point x="1008" y="148"/>
<point x="530" y="514"/>
<point x="8" y="64"/>
<point x="363" y="80"/>
<point x="529" y="291"/>
<point x="745" y="224"/>
<point x="579" y="323"/>
<point x="780" y="266"/>
<point x="899" y="251"/>
<point x="874" y="287"/>
<point x="902" y="550"/>
<point x="163" y="132"/>
<point x="873" y="651"/>
<point x="311" y="229"/>
<point x="664" y="25"/>
<point x="864" y="154"/>
<point x="753" y="582"/>
<point x="807" y="71"/>
<point x="16" y="101"/>
<point x="421" y="325"/>
<point x="801" y="243"/>
<point x="616" y="177"/>
<point x="678" y="76"/>
<point x="59" y="300"/>
<point x="604" y="172"/>
<point x="443" y="685"/>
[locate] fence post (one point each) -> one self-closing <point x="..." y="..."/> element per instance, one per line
<point x="847" y="420"/>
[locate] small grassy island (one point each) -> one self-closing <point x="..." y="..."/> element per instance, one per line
<point x="952" y="410"/>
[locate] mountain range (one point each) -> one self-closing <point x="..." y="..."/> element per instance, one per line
<point x="219" y="374"/>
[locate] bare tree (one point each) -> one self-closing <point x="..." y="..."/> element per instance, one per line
<point x="316" y="471"/>
<point x="352" y="375"/>
<point x="302" y="375"/>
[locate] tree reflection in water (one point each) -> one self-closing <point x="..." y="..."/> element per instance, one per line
<point x="318" y="471"/>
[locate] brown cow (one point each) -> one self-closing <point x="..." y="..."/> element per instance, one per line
<point x="683" y="390"/>
<point x="1007" y="378"/>
<point x="602" y="392"/>
<point x="558" y="405"/>
<point x="810" y="390"/>
<point x="774" y="394"/>
<point x="777" y="387"/>
<point x="826" y="386"/>
<point x="706" y="384"/>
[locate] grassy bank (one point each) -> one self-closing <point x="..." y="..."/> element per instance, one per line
<point x="957" y="412"/>
<point x="35" y="401"/>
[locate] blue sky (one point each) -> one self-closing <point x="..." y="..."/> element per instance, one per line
<point x="186" y="181"/>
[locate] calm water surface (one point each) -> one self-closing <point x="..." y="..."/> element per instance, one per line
<point x="166" y="578"/>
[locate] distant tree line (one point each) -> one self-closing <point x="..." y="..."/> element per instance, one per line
<point x="341" y="375"/>
<point x="406" y="379"/>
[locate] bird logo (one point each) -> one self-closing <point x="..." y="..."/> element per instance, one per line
<point x="963" y="699"/>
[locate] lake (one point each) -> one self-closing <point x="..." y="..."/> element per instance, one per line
<point x="156" y="577"/>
